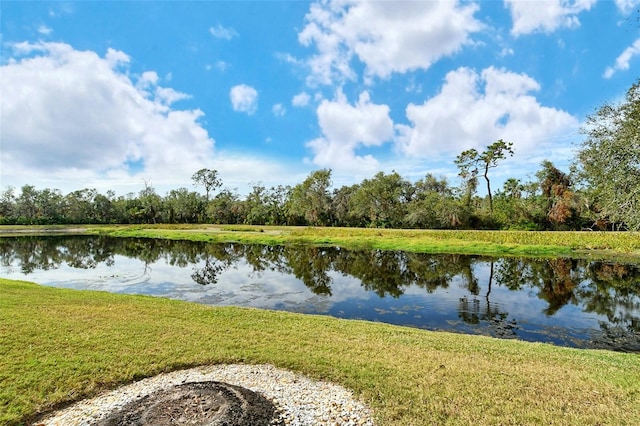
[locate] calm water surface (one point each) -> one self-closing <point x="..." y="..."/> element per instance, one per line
<point x="561" y="301"/>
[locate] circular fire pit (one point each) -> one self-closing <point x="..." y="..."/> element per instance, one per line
<point x="227" y="395"/>
<point x="201" y="403"/>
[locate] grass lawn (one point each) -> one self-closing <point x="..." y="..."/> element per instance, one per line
<point x="59" y="345"/>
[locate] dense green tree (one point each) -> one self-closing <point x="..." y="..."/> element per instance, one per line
<point x="608" y="160"/>
<point x="121" y="205"/>
<point x="150" y="205"/>
<point x="383" y="200"/>
<point x="432" y="205"/>
<point x="341" y="211"/>
<point x="183" y="206"/>
<point x="264" y="206"/>
<point x="257" y="206"/>
<point x="311" y="199"/>
<point x="49" y="205"/>
<point x="226" y="207"/>
<point x="7" y="205"/>
<point x="26" y="205"/>
<point x="80" y="206"/>
<point x="104" y="209"/>
<point x="277" y="204"/>
<point x="516" y="206"/>
<point x="35" y="206"/>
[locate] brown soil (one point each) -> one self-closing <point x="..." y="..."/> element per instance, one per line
<point x="201" y="403"/>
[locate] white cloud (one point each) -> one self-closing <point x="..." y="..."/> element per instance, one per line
<point x="506" y="51"/>
<point x="241" y="170"/>
<point x="70" y="114"/>
<point x="545" y="15"/>
<point x="301" y="99"/>
<point x="148" y="78"/>
<point x="60" y="9"/>
<point x="223" y="32"/>
<point x="345" y="128"/>
<point x="622" y="61"/>
<point x="167" y="95"/>
<point x="386" y="38"/>
<point x="44" y="30"/>
<point x="114" y="57"/>
<point x="244" y="98"/>
<point x="278" y="110"/>
<point x="474" y="110"/>
<point x="627" y="6"/>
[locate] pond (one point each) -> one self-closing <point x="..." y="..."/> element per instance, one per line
<point x="568" y="302"/>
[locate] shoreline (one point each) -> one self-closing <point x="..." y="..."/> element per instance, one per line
<point x="608" y="246"/>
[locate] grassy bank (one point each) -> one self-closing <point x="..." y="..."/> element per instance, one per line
<point x="528" y="243"/>
<point x="59" y="345"/>
<point x="518" y="243"/>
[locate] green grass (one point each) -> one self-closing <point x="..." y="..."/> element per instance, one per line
<point x="500" y="243"/>
<point x="58" y="346"/>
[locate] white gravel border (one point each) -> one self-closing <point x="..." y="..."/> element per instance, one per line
<point x="303" y="401"/>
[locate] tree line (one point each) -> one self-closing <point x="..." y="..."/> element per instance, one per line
<point x="386" y="200"/>
<point x="600" y="191"/>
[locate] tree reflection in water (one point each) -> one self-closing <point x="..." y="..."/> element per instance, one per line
<point x="611" y="290"/>
<point x="476" y="310"/>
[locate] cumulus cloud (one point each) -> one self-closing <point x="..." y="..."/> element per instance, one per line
<point x="346" y="128"/>
<point x="384" y="37"/>
<point x="301" y="99"/>
<point x="545" y="16"/>
<point x="244" y="98"/>
<point x="622" y="61"/>
<point x="66" y="111"/>
<point x="223" y="32"/>
<point x="474" y="110"/>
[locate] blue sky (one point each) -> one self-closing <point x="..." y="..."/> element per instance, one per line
<point x="116" y="95"/>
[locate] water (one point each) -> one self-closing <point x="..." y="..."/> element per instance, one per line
<point x="562" y="301"/>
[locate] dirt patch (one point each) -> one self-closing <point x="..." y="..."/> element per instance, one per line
<point x="10" y="230"/>
<point x="199" y="403"/>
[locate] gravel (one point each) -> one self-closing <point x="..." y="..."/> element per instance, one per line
<point x="300" y="401"/>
